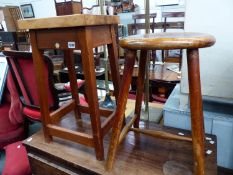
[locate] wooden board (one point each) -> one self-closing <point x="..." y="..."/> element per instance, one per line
<point x="155" y="111"/>
<point x="138" y="154"/>
<point x="68" y="21"/>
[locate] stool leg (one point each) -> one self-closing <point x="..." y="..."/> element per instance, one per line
<point x="140" y="86"/>
<point x="91" y="90"/>
<point x="69" y="57"/>
<point x="197" y="122"/>
<point x="120" y="110"/>
<point x="43" y="94"/>
<point x="113" y="60"/>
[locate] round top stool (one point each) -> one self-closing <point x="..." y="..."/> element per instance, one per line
<point x="166" y="41"/>
<point x="162" y="41"/>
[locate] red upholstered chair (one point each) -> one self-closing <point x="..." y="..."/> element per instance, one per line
<point x="11" y="118"/>
<point x="23" y="71"/>
<point x="21" y="66"/>
<point x="16" y="155"/>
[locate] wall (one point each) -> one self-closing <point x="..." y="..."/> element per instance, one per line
<point x="42" y="8"/>
<point x="214" y="17"/>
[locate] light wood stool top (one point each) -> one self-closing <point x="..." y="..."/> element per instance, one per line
<point x="165" y="41"/>
<point x="68" y="21"/>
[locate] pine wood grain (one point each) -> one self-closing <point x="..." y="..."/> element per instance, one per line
<point x="166" y="41"/>
<point x="68" y="21"/>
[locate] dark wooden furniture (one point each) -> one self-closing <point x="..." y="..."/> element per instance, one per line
<point x="176" y="57"/>
<point x="143" y="16"/>
<point x="162" y="41"/>
<point x="68" y="33"/>
<point x="158" y="25"/>
<point x="138" y="154"/>
<point x="8" y="40"/>
<point x="167" y="15"/>
<point x="161" y="81"/>
<point x="68" y="7"/>
<point x="158" y="73"/>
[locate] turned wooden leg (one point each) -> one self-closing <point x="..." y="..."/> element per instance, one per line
<point x="120" y="110"/>
<point x="69" y="57"/>
<point x="113" y="60"/>
<point x="91" y="90"/>
<point x="43" y="93"/>
<point x="198" y="135"/>
<point x="140" y="86"/>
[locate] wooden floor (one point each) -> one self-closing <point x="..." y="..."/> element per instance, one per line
<point x="138" y="154"/>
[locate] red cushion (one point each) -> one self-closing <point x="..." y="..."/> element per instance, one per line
<point x="16" y="160"/>
<point x="132" y="96"/>
<point x="11" y="120"/>
<point x="9" y="137"/>
<point x="5" y="123"/>
<point x="32" y="113"/>
<point x="82" y="100"/>
<point x="15" y="113"/>
<point x="159" y="99"/>
<point x="79" y="84"/>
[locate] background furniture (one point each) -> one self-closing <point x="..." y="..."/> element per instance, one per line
<point x="159" y="78"/>
<point x="143" y="17"/>
<point x="68" y="7"/>
<point x="21" y="37"/>
<point x="68" y="33"/>
<point x="174" y="56"/>
<point x="190" y="41"/>
<point x="23" y="71"/>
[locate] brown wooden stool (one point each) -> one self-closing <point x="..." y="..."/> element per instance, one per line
<point x="162" y="41"/>
<point x="80" y="32"/>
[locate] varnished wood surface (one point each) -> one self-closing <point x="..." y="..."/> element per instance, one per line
<point x="165" y="41"/>
<point x="173" y="14"/>
<point x="159" y="73"/>
<point x="68" y="33"/>
<point x="120" y="108"/>
<point x="197" y="121"/>
<point x="190" y="41"/>
<point x="138" y="154"/>
<point x="68" y="21"/>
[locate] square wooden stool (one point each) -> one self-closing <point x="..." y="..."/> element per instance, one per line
<point x="68" y="33"/>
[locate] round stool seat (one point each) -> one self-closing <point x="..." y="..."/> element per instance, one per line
<point x="166" y="41"/>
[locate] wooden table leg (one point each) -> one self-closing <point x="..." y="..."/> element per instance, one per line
<point x="140" y="86"/>
<point x="40" y="80"/>
<point x="198" y="135"/>
<point x="120" y="110"/>
<point x="113" y="60"/>
<point x="69" y="57"/>
<point x="91" y="89"/>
